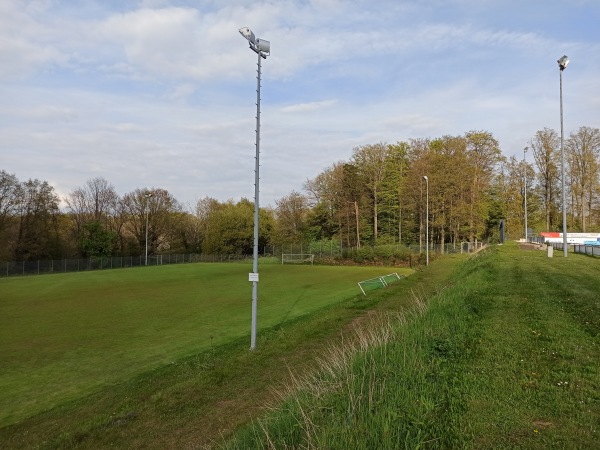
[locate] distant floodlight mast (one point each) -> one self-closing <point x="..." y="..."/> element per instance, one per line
<point x="263" y="49"/>
<point x="562" y="65"/>
<point x="148" y="196"/>
<point x="426" y="220"/>
<point x="525" y="189"/>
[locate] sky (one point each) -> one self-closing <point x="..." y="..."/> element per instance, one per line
<point x="162" y="93"/>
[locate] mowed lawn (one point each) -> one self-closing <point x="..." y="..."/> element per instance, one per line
<point x="62" y="336"/>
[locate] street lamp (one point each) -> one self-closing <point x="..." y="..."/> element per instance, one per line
<point x="562" y="65"/>
<point x="263" y="49"/>
<point x="147" y="195"/>
<point x="525" y="188"/>
<point x="426" y="220"/>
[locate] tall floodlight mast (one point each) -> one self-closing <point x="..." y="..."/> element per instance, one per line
<point x="562" y="65"/>
<point x="263" y="49"/>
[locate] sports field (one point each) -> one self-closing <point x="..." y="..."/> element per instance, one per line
<point x="65" y="335"/>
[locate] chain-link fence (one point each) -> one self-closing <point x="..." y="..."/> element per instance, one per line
<point x="459" y="247"/>
<point x="13" y="268"/>
<point x="268" y="254"/>
<point x="332" y="249"/>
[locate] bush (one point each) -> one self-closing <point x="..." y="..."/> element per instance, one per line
<point x="389" y="255"/>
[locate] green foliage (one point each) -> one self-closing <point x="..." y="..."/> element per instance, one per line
<point x="320" y="223"/>
<point x="290" y="226"/>
<point x="328" y="247"/>
<point x="230" y="229"/>
<point x="37" y="236"/>
<point x="96" y="242"/>
<point x="391" y="254"/>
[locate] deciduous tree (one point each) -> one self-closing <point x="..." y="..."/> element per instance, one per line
<point x="483" y="155"/>
<point x="230" y="229"/>
<point x="371" y="163"/>
<point x="545" y="147"/>
<point x="291" y="213"/>
<point x="583" y="151"/>
<point x="37" y="209"/>
<point x="96" y="202"/>
<point x="161" y="208"/>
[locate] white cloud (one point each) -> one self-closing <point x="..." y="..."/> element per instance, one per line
<point x="308" y="107"/>
<point x="43" y="113"/>
<point x="415" y="124"/>
<point x="127" y="128"/>
<point x="181" y="92"/>
<point x="22" y="49"/>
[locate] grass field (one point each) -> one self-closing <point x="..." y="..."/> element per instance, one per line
<point x="64" y="336"/>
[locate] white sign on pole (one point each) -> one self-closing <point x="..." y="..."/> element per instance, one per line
<point x="253" y="277"/>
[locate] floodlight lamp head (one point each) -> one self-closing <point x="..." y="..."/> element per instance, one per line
<point x="425" y="178"/>
<point x="248" y="34"/>
<point x="263" y="46"/>
<point x="260" y="46"/>
<point x="562" y="62"/>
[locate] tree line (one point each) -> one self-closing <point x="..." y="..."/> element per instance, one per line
<point x="378" y="196"/>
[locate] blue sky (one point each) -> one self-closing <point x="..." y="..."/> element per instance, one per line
<point x="161" y="93"/>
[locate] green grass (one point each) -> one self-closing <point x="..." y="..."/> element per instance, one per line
<point x="507" y="356"/>
<point x="65" y="336"/>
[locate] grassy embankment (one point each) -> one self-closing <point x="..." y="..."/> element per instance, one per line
<point x="506" y="357"/>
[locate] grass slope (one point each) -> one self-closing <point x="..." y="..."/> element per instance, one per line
<point x="64" y="336"/>
<point x="507" y="357"/>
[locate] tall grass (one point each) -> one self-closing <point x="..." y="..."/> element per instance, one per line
<point x="377" y="390"/>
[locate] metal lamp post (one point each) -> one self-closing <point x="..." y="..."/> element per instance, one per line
<point x="525" y="188"/>
<point x="426" y="219"/>
<point x="263" y="49"/>
<point x="147" y="195"/>
<point x="562" y="65"/>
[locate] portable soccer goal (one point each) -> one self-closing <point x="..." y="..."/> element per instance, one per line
<point x="297" y="258"/>
<point x="377" y="282"/>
